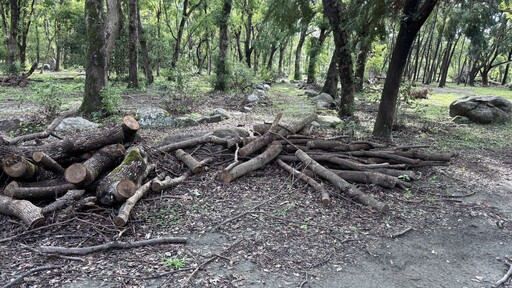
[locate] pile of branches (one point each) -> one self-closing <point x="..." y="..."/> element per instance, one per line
<point x="108" y="167"/>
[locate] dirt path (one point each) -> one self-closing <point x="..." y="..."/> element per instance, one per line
<point x="293" y="240"/>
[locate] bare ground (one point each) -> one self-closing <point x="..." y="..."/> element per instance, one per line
<point x="452" y="230"/>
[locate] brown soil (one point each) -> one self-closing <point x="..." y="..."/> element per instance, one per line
<point x="451" y="230"/>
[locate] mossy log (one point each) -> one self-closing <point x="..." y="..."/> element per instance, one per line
<point x="70" y="197"/>
<point x="23" y="209"/>
<point x="82" y="174"/>
<point x="121" y="183"/>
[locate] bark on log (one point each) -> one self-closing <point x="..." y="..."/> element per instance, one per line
<point x="73" y="146"/>
<point x="38" y="190"/>
<point x="208" y="138"/>
<point x="168" y="182"/>
<point x="368" y="177"/>
<point x="20" y="167"/>
<point x="23" y="209"/>
<point x="330" y="145"/>
<point x="195" y="166"/>
<point x="426" y="156"/>
<point x="384" y="155"/>
<point x="121" y="183"/>
<point x="262" y="141"/>
<point x="124" y="212"/>
<point x="48" y="162"/>
<point x="18" y="80"/>
<point x="64" y="201"/>
<point x="82" y="174"/>
<point x="341" y="184"/>
<point x="253" y="164"/>
<point x="325" y="198"/>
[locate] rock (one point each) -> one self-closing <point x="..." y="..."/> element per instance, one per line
<point x="154" y="117"/>
<point x="322" y="105"/>
<point x="266" y="87"/>
<point x="246" y="109"/>
<point x="461" y="120"/>
<point x="252" y="98"/>
<point x="212" y="119"/>
<point x="221" y="112"/>
<point x="285" y="81"/>
<point x="295" y="81"/>
<point x="311" y="93"/>
<point x="329" y="121"/>
<point x="482" y="109"/>
<point x="260" y="93"/>
<point x="323" y="97"/>
<point x="184" y="121"/>
<point x="76" y="123"/>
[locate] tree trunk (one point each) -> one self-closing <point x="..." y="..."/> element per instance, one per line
<point x="431" y="71"/>
<point x="270" y="62"/>
<point x="445" y="64"/>
<point x="314" y="52"/>
<point x="414" y="17"/>
<point x="505" y="75"/>
<point x="239" y="46"/>
<point x="179" y="37"/>
<point x="144" y="51"/>
<point x="12" y="42"/>
<point x="23" y="209"/>
<point x="282" y="48"/>
<point x="221" y="69"/>
<point x="333" y="11"/>
<point x="113" y="27"/>
<point x="247" y="43"/>
<point x="331" y="80"/>
<point x="298" y="53"/>
<point x="362" y="56"/>
<point x="133" y="75"/>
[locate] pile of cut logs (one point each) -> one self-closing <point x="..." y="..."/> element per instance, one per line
<point x="108" y="166"/>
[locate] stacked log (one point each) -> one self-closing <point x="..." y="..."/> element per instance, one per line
<point x="109" y="165"/>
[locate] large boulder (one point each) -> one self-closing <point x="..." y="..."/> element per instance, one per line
<point x="76" y="123"/>
<point x="482" y="109"/>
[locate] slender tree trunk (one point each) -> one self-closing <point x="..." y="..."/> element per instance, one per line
<point x="333" y="12"/>
<point x="133" y="75"/>
<point x="270" y="62"/>
<point x="114" y="25"/>
<point x="314" y="51"/>
<point x="447" y="60"/>
<point x="239" y="46"/>
<point x="431" y="71"/>
<point x="505" y="74"/>
<point x="95" y="74"/>
<point x="417" y="57"/>
<point x="298" y="53"/>
<point x="362" y="56"/>
<point x="414" y="17"/>
<point x="247" y="43"/>
<point x="331" y="80"/>
<point x="282" y="48"/>
<point x="158" y="31"/>
<point x="12" y="42"/>
<point x="144" y="50"/>
<point x="221" y="69"/>
<point x="428" y="47"/>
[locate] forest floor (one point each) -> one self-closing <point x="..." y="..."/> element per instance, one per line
<point x="452" y="229"/>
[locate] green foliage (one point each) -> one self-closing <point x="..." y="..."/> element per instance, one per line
<point x="110" y="102"/>
<point x="243" y="77"/>
<point x="181" y="92"/>
<point x="14" y="69"/>
<point x="175" y="263"/>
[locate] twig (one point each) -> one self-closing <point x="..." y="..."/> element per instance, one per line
<point x="58" y="256"/>
<point x="163" y="274"/>
<point x="505" y="277"/>
<point x="30" y="272"/>
<point x="400" y="233"/>
<point x="35" y="229"/>
<point x="112" y="245"/>
<point x="46" y="132"/>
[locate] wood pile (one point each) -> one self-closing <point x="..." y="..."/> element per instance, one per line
<point x="109" y="167"/>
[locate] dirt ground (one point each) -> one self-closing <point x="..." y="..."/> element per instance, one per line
<point x="452" y="230"/>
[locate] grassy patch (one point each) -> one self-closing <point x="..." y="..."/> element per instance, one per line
<point x="291" y="101"/>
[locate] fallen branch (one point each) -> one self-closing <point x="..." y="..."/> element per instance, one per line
<point x="195" y="166"/>
<point x="46" y="133"/>
<point x="111" y="245"/>
<point x="326" y="199"/>
<point x="262" y="141"/>
<point x="23" y="209"/>
<point x="47" y="162"/>
<point x="341" y="184"/>
<point x="68" y="198"/>
<point x="39" y="190"/>
<point x="168" y="182"/>
<point x="30" y="272"/>
<point x="400" y="233"/>
<point x="505" y="278"/>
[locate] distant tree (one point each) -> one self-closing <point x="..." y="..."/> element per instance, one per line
<point x="414" y="15"/>
<point x="221" y="83"/>
<point x="133" y="25"/>
<point x="102" y="32"/>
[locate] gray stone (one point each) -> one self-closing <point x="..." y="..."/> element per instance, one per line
<point x="461" y="120"/>
<point x="76" y="123"/>
<point x="266" y="87"/>
<point x="184" y="121"/>
<point x="328" y="121"/>
<point x="295" y="81"/>
<point x="482" y="109"/>
<point x="154" y="117"/>
<point x="211" y="119"/>
<point x="252" y="98"/>
<point x="323" y="97"/>
<point x="322" y="105"/>
<point x="246" y="109"/>
<point x="260" y="93"/>
<point x="9" y="125"/>
<point x="311" y="93"/>
<point x="285" y="81"/>
<point x="221" y="112"/>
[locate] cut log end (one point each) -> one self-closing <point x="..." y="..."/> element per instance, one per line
<point x="38" y="156"/>
<point x="76" y="173"/>
<point x="125" y="189"/>
<point x="119" y="221"/>
<point x="225" y="176"/>
<point x="131" y="123"/>
<point x="10" y="188"/>
<point x="15" y="166"/>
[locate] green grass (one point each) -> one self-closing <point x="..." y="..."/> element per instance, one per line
<point x="291" y="101"/>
